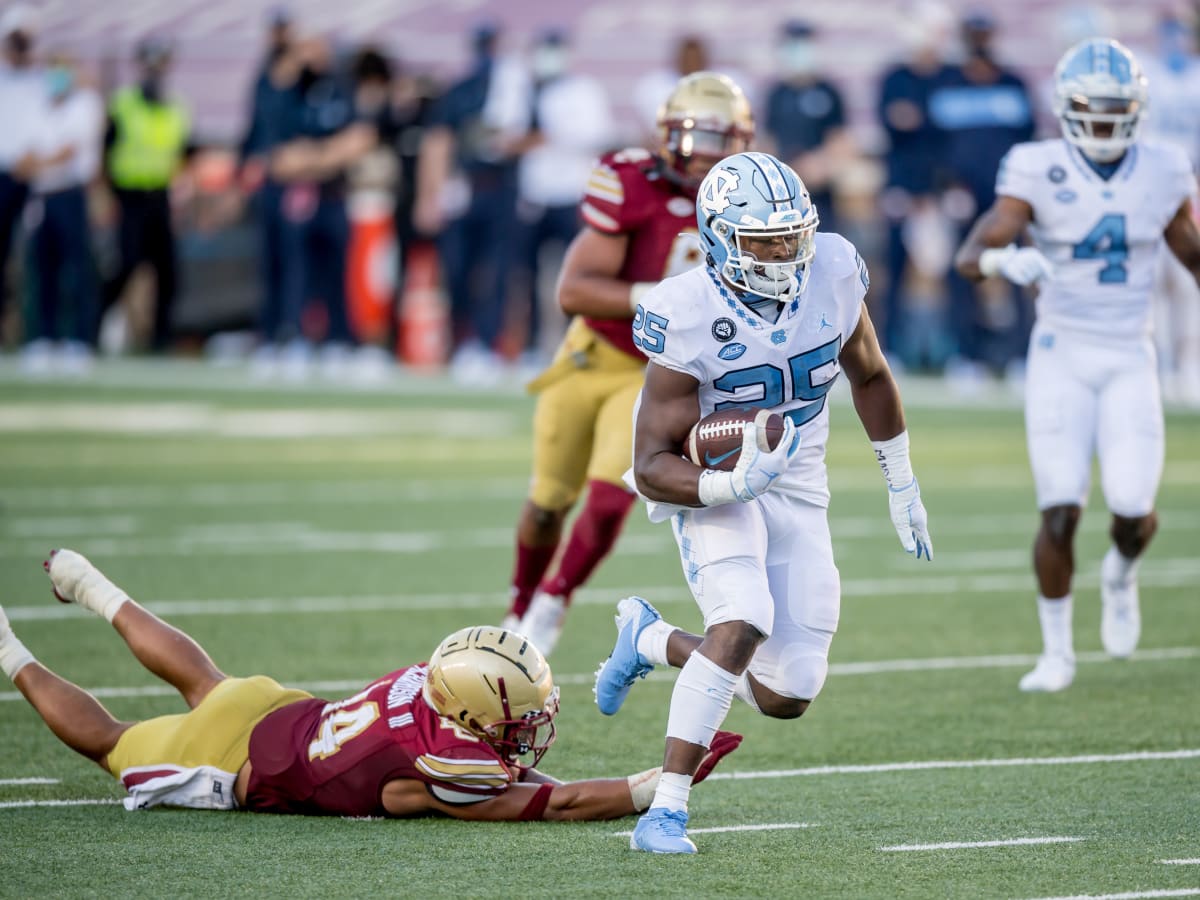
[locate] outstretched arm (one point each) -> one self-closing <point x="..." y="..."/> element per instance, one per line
<point x="1183" y="237"/>
<point x="590" y="283"/>
<point x="551" y="800"/>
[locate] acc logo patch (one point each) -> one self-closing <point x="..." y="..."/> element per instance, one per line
<point x="1057" y="174"/>
<point x="732" y="351"/>
<point x="723" y="330"/>
<point x="1066" y="196"/>
<point x="714" y="191"/>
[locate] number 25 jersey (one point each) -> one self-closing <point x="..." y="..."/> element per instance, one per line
<point x="695" y="324"/>
<point x="1102" y="235"/>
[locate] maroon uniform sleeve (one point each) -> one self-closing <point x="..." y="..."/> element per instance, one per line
<point x="628" y="195"/>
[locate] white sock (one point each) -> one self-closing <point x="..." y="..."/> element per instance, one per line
<point x="1119" y="568"/>
<point x="672" y="793"/>
<point x="13" y="654"/>
<point x="652" y="642"/>
<point x="1055" y="616"/>
<point x="745" y="692"/>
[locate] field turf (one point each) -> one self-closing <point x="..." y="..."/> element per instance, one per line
<point x="325" y="536"/>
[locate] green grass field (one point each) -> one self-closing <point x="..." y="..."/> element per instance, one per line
<point x="327" y="536"/>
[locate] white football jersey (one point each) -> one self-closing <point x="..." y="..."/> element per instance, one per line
<point x="693" y="324"/>
<point x="1101" y="235"/>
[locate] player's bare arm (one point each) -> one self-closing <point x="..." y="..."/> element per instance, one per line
<point x="669" y="408"/>
<point x="606" y="798"/>
<point x="589" y="284"/>
<point x="998" y="227"/>
<point x="1183" y="237"/>
<point x="876" y="396"/>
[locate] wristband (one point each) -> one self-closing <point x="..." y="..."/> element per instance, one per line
<point x="993" y="258"/>
<point x="637" y="291"/>
<point x="716" y="488"/>
<point x="642" y="787"/>
<point x="892" y="456"/>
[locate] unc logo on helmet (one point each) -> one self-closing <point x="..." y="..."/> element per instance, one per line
<point x="496" y="685"/>
<point x="1099" y="96"/>
<point x="757" y="224"/>
<point x="714" y="190"/>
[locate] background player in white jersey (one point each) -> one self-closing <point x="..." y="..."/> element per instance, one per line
<point x="770" y="320"/>
<point x="1097" y="205"/>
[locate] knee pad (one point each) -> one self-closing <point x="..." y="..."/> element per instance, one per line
<point x="1060" y="523"/>
<point x="1132" y="535"/>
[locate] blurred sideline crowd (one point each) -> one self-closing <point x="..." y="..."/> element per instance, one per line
<point x="374" y="216"/>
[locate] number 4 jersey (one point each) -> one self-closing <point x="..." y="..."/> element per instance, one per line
<point x="1101" y="234"/>
<point x="695" y="324"/>
<point x="320" y="758"/>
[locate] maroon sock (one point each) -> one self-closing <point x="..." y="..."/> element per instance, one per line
<point x="530" y="568"/>
<point x="592" y="537"/>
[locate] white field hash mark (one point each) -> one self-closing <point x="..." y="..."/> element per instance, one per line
<point x="84" y="801"/>
<point x="1180" y="862"/>
<point x="12" y="781"/>
<point x="973" y="845"/>
<point x="780" y="826"/>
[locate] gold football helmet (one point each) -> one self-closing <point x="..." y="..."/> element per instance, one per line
<point x="705" y="119"/>
<point x="497" y="685"/>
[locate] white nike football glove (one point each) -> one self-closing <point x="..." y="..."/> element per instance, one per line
<point x="910" y="519"/>
<point x="1020" y="265"/>
<point x="756" y="470"/>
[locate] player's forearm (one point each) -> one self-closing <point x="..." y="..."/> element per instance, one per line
<point x="596" y="296"/>
<point x="966" y="261"/>
<point x="607" y="798"/>
<point x="877" y="402"/>
<point x="668" y="478"/>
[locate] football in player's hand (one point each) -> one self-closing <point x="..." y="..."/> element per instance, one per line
<point x="715" y="442"/>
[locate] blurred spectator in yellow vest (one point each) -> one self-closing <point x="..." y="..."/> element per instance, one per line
<point x="146" y="142"/>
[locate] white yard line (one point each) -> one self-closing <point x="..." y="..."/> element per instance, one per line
<point x="925" y="765"/>
<point x="973" y="845"/>
<point x="877" y="667"/>
<point x="781" y="826"/>
<point x="1180" y="862"/>
<point x="1131" y="895"/>
<point x="11" y="781"/>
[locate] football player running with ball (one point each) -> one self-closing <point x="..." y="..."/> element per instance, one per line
<point x="1097" y="204"/>
<point x="770" y="320"/>
<point x="639" y="227"/>
<point x="458" y="735"/>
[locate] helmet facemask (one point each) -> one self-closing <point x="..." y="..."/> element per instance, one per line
<point x="770" y="260"/>
<point x="532" y="732"/>
<point x="1103" y="128"/>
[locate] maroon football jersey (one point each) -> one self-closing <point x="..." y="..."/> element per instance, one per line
<point x="320" y="758"/>
<point x="626" y="194"/>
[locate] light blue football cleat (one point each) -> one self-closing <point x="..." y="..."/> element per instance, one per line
<point x="662" y="830"/>
<point x="624" y="665"/>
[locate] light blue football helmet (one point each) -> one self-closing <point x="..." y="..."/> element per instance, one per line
<point x="1100" y="94"/>
<point x="753" y="197"/>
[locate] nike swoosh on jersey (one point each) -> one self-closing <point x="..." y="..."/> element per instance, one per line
<point x="710" y="460"/>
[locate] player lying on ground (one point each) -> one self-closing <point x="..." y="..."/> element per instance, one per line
<point x="446" y="736"/>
